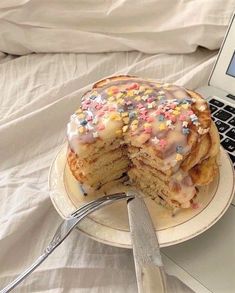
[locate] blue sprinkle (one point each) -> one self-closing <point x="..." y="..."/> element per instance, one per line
<point x="161" y="118"/>
<point x="92" y="97"/>
<point x="179" y="149"/>
<point x="185" y="131"/>
<point x="131" y="115"/>
<point x="83" y="122"/>
<point x="120" y="110"/>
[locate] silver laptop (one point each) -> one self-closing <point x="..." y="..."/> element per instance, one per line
<point x="220" y="91"/>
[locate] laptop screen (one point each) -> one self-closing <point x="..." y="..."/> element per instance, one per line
<point x="231" y="68"/>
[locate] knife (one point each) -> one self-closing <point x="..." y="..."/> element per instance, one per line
<point x="150" y="274"/>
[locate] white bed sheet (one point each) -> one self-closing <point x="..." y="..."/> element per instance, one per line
<point x="38" y="94"/>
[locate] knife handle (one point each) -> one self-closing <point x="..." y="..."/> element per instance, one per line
<point x="154" y="279"/>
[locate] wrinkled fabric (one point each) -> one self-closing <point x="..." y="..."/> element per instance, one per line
<point x="150" y="26"/>
<point x="38" y="94"/>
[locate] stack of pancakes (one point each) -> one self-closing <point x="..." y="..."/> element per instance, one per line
<point x="158" y="136"/>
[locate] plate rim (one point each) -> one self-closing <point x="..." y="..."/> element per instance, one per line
<point x="90" y="221"/>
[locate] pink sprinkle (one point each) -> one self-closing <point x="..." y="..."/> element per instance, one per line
<point x="195" y="205"/>
<point x="158" y="112"/>
<point x="84" y="107"/>
<point x="101" y="127"/>
<point x="87" y="102"/>
<point x="172" y="118"/>
<point x="162" y="143"/>
<point x="128" y="103"/>
<point x="172" y="106"/>
<point x="89" y="118"/>
<point x="150" y="119"/>
<point x="100" y="113"/>
<point x="133" y="86"/>
<point x="139" y="106"/>
<point x="182" y="117"/>
<point x="150" y="100"/>
<point x="148" y="130"/>
<point x="190" y="112"/>
<point x="143" y="111"/>
<point x="98" y="106"/>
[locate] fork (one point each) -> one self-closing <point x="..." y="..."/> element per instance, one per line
<point x="64" y="230"/>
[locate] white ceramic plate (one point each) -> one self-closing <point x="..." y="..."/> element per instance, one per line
<point x="110" y="224"/>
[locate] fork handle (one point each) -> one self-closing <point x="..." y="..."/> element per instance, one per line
<point x="23" y="275"/>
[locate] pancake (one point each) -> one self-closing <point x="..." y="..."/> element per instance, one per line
<point x="160" y="137"/>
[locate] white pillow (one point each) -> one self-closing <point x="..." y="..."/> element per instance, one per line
<point x="151" y="26"/>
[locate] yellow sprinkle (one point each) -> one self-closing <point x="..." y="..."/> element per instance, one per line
<point x="177" y="108"/>
<point x="111" y="99"/>
<point x="124" y="128"/>
<point x="133" y="127"/>
<point x="185" y="106"/>
<point x="134" y="122"/>
<point x="130" y="93"/>
<point x="120" y="101"/>
<point x="148" y="92"/>
<point x="118" y="132"/>
<point x="81" y="116"/>
<point x="138" y="98"/>
<point x="146" y="125"/>
<point x="81" y="129"/>
<point x="162" y="126"/>
<point x="176" y="112"/>
<point x="115" y="116"/>
<point x="119" y="95"/>
<point x="124" y="114"/>
<point x="179" y="157"/>
<point x="141" y="88"/>
<point x="126" y="120"/>
<point x="79" y="111"/>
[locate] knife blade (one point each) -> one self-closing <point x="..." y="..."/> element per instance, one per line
<point x="147" y="257"/>
<point x="150" y="274"/>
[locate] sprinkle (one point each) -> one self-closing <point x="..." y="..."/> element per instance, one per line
<point x="81" y="129"/>
<point x="115" y="116"/>
<point x="148" y="92"/>
<point x="118" y="96"/>
<point x="196" y="123"/>
<point x="190" y="112"/>
<point x="179" y="149"/>
<point x="182" y="117"/>
<point x="155" y="140"/>
<point x="120" y="110"/>
<point x="98" y="106"/>
<point x="130" y="93"/>
<point x="185" y="131"/>
<point x="150" y="106"/>
<point x="118" y="132"/>
<point x="124" y="128"/>
<point x="150" y="119"/>
<point x="92" y="97"/>
<point x="95" y="120"/>
<point x="126" y="120"/>
<point x="176" y="113"/>
<point x="128" y="102"/>
<point x="81" y="116"/>
<point x="83" y="122"/>
<point x="124" y="114"/>
<point x="134" y="122"/>
<point x="111" y="99"/>
<point x="148" y="130"/>
<point x="133" y="86"/>
<point x="162" y="126"/>
<point x="101" y="127"/>
<point x="141" y="88"/>
<point x="161" y="118"/>
<point x="139" y="106"/>
<point x="162" y="143"/>
<point x="89" y="118"/>
<point x="179" y="157"/>
<point x="138" y="98"/>
<point x="84" y="107"/>
<point x="95" y="134"/>
<point x="185" y="124"/>
<point x="146" y="125"/>
<point x="133" y="127"/>
<point x="168" y="122"/>
<point x="185" y="106"/>
<point x="132" y="115"/>
<point x="171" y="127"/>
<point x="193" y="117"/>
<point x="144" y="98"/>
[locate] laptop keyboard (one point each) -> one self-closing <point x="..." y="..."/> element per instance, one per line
<point x="224" y="117"/>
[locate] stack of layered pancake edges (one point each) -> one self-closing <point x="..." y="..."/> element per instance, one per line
<point x="159" y="136"/>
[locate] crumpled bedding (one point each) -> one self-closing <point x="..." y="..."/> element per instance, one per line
<point x="40" y="91"/>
